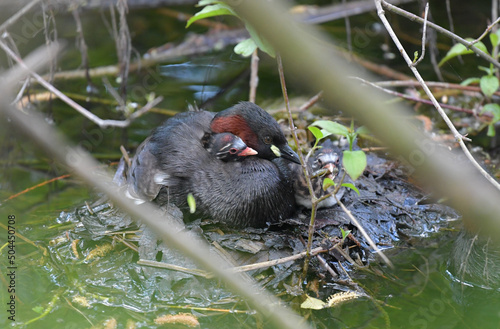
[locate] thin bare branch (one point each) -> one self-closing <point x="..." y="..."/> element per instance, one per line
<point x="460" y="139"/>
<point x="363" y="232"/>
<point x="254" y="75"/>
<point x="94" y="118"/>
<point x="421" y="100"/>
<point x="5" y="25"/>
<point x="485" y="33"/>
<point x="424" y="33"/>
<point x="274" y="262"/>
<point x="440" y="29"/>
<point x="313" y="100"/>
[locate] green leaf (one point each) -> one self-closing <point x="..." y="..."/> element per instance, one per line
<point x="211" y="11"/>
<point x="362" y="131"/>
<point x="313" y="303"/>
<point x="344" y="233"/>
<point x="493" y="109"/>
<point x="459" y="49"/>
<point x="351" y="186"/>
<point x="191" y="203"/>
<point x="245" y="48"/>
<point x="494" y="39"/>
<point x="317" y="133"/>
<point x="489" y="84"/>
<point x="479" y="45"/>
<point x="202" y="3"/>
<point x="260" y="42"/>
<point x="327" y="182"/>
<point x="497" y="32"/>
<point x="469" y="81"/>
<point x="415" y="56"/>
<point x="332" y="127"/>
<point x="491" y="130"/>
<point x="488" y="70"/>
<point x="354" y="163"/>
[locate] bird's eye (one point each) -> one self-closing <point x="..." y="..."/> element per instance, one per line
<point x="268" y="140"/>
<point x="233" y="151"/>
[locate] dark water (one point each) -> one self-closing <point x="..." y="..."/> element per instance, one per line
<point x="57" y="284"/>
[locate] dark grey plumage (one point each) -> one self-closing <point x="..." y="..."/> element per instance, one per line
<point x="174" y="162"/>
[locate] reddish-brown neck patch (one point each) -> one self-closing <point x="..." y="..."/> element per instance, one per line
<point x="236" y="125"/>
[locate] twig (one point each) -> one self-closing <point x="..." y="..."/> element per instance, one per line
<point x="328" y="267"/>
<point x="460" y="139"/>
<point x="424" y="33"/>
<point x="421" y="100"/>
<point x="302" y="163"/>
<point x="35" y="187"/>
<point x="149" y="105"/>
<point x="485" y="33"/>
<point x="348" y="30"/>
<point x="450" y="17"/>
<point x="5" y="25"/>
<point x="270" y="263"/>
<point x="436" y="84"/>
<point x="81" y="44"/>
<point x="125" y="155"/>
<point x="254" y="77"/>
<point x="112" y="91"/>
<point x="123" y="46"/>
<point x="172" y="267"/>
<point x="313" y="100"/>
<point x="363" y="232"/>
<point x="438" y="28"/>
<point x="94" y="118"/>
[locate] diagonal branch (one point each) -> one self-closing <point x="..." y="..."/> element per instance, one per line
<point x="440" y="29"/>
<point x="460" y="139"/>
<point x="89" y="115"/>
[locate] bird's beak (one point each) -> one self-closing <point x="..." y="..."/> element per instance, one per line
<point x="286" y="152"/>
<point x="246" y="152"/>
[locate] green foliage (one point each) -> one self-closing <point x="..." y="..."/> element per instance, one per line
<point x="327" y="182"/>
<point x="351" y="186"/>
<point x="354" y="162"/>
<point x="218" y="9"/>
<point x="495" y="110"/>
<point x="488" y="83"/>
<point x="330" y="127"/>
<point x="246" y="47"/>
<point x="459" y="50"/>
<point x="344" y="233"/>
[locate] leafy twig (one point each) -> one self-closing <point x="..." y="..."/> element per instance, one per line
<point x="460" y="139"/>
<point x="438" y="28"/>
